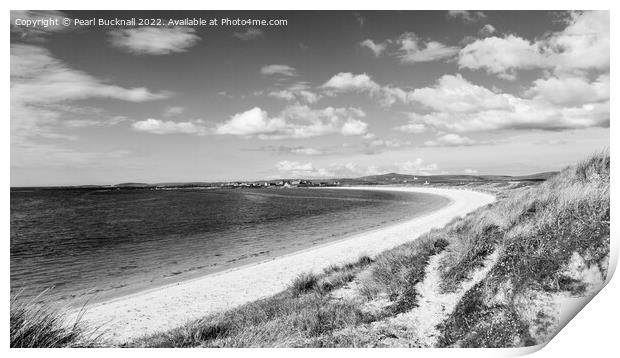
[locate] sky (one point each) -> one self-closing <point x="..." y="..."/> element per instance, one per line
<point x="328" y="94"/>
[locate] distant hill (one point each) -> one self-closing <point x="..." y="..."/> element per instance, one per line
<point x="381" y="179"/>
<point x="393" y="178"/>
<point x="133" y="185"/>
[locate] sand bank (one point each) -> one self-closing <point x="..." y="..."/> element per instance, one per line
<point x="173" y="305"/>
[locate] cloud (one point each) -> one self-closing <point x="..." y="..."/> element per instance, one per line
<point x="300" y="92"/>
<point x="501" y="56"/>
<point x="583" y="45"/>
<point x="284" y="70"/>
<point x="466" y="16"/>
<point x="292" y="150"/>
<point x="249" y="34"/>
<point x="37" y="77"/>
<point x="306" y="151"/>
<point x="173" y="111"/>
<point x="376" y="48"/>
<point x="83" y="123"/>
<point x="294" y="169"/>
<point x="297" y="121"/>
<point x="449" y="140"/>
<point x="570" y="90"/>
<point x="486" y="30"/>
<point x="157" y="126"/>
<point x="414" y="128"/>
<point x="410" y="48"/>
<point x="251" y="122"/>
<point x="354" y="127"/>
<point x="361" y="20"/>
<point x="362" y="83"/>
<point x="39" y="83"/>
<point x="346" y="81"/>
<point x="46" y="21"/>
<point x="417" y="166"/>
<point x="453" y="93"/>
<point x="470" y="171"/>
<point x="413" y="49"/>
<point x="381" y="145"/>
<point x="154" y="40"/>
<point x="458" y="105"/>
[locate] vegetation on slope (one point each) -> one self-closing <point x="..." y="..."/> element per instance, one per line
<point x="35" y="325"/>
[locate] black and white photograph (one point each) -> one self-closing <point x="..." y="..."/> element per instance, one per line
<point x="307" y="178"/>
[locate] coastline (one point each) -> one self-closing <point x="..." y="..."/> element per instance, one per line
<point x="92" y="299"/>
<point x="170" y="306"/>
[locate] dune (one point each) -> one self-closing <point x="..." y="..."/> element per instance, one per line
<point x="167" y="307"/>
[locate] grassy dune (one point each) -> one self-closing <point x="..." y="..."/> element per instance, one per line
<point x="495" y="278"/>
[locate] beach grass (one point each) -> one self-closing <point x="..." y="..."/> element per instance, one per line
<point x="302" y="312"/>
<point x="39" y="325"/>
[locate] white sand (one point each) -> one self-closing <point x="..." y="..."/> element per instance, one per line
<point x="171" y="306"/>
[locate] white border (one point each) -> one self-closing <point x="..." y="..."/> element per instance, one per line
<point x="592" y="332"/>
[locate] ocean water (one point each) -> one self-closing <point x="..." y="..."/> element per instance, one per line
<point x="82" y="244"/>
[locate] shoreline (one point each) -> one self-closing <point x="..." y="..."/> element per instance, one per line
<point x="120" y="293"/>
<point x="169" y="306"/>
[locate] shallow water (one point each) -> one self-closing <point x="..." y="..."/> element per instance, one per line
<point x="99" y="244"/>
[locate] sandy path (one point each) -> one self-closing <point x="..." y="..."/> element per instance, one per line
<point x="170" y="306"/>
<point x="434" y="306"/>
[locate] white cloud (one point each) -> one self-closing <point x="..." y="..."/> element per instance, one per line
<point x="381" y="145"/>
<point x="458" y="105"/>
<point x="453" y="93"/>
<point x="414" y="128"/>
<point x="47" y="18"/>
<point x="286" y="165"/>
<point x="293" y="169"/>
<point x="417" y="166"/>
<point x="39" y="83"/>
<point x="284" y="70"/>
<point x="249" y="34"/>
<point x="348" y="82"/>
<point x="467" y="16"/>
<point x="297" y="121"/>
<point x="450" y="140"/>
<point x="571" y="90"/>
<point x="251" y="122"/>
<point x="306" y="151"/>
<point x="413" y="49"/>
<point x="501" y="56"/>
<point x="300" y="92"/>
<point x="470" y="171"/>
<point x="354" y="127"/>
<point x="157" y="126"/>
<point x="410" y="48"/>
<point x="487" y="30"/>
<point x="376" y="48"/>
<point x="293" y="150"/>
<point x="173" y="111"/>
<point x="154" y="40"/>
<point x="583" y="45"/>
<point x="37" y="77"/>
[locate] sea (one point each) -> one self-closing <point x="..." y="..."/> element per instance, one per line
<point x="79" y="246"/>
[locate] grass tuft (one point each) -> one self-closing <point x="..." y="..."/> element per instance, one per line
<point x="36" y="325"/>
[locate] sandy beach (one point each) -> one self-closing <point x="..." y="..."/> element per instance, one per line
<point x="171" y="306"/>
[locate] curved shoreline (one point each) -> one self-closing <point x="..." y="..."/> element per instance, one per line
<point x="170" y="306"/>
